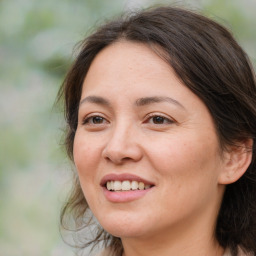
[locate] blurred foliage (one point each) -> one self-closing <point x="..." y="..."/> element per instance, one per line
<point x="36" y="44"/>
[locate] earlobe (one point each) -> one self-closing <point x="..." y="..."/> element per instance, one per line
<point x="236" y="161"/>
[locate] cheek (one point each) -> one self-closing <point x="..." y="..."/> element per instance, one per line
<point x="85" y="153"/>
<point x="185" y="159"/>
<point x="86" y="159"/>
<point x="186" y="169"/>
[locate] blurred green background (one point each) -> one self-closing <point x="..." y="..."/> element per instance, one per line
<point x="36" y="45"/>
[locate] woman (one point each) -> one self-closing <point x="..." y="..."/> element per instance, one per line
<point x="161" y="122"/>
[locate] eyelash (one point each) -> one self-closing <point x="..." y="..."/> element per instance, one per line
<point x="164" y="119"/>
<point x="86" y="120"/>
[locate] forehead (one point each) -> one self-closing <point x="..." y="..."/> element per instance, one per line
<point x="130" y="63"/>
<point x="126" y="51"/>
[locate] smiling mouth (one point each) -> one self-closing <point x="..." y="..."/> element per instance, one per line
<point x="126" y="185"/>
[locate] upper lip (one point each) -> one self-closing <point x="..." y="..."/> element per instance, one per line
<point x="123" y="177"/>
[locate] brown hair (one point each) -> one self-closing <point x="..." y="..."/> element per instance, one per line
<point x="208" y="60"/>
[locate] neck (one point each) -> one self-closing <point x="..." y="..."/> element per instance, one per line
<point x="191" y="238"/>
<point x="194" y="246"/>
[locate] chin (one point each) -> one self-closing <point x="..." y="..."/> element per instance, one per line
<point x="122" y="226"/>
<point x="125" y="231"/>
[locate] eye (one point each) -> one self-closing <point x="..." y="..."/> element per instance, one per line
<point x="94" y="120"/>
<point x="159" y="120"/>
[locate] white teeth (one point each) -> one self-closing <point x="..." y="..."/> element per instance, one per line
<point x="109" y="187"/>
<point x="126" y="185"/>
<point x="141" y="185"/>
<point x="117" y="185"/>
<point x="135" y="185"/>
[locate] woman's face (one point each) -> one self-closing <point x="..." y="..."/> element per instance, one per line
<point x="145" y="148"/>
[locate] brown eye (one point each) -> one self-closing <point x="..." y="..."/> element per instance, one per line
<point x="158" y="119"/>
<point x="94" y="120"/>
<point x="97" y="120"/>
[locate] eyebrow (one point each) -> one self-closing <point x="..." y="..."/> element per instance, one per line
<point x="157" y="99"/>
<point x="139" y="102"/>
<point x="96" y="100"/>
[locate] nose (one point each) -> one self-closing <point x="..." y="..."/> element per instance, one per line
<point x="122" y="146"/>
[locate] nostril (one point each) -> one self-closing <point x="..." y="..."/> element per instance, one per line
<point x="122" y="150"/>
<point x="117" y="160"/>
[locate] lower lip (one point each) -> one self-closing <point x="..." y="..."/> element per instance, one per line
<point x="124" y="196"/>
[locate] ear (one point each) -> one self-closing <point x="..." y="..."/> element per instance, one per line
<point x="236" y="159"/>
